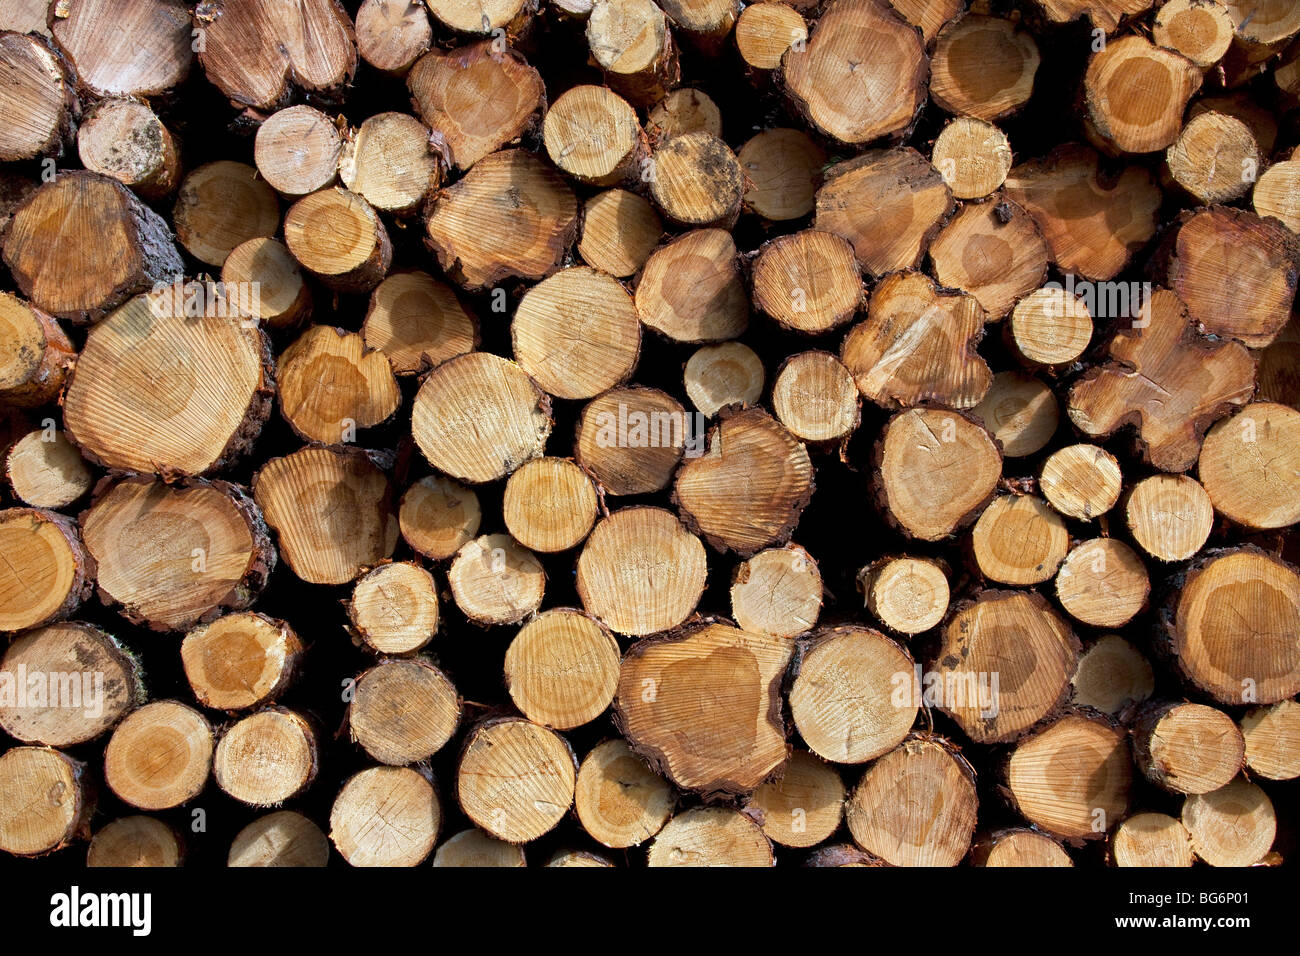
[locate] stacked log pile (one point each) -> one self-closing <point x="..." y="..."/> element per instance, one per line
<point x="626" y="432"/>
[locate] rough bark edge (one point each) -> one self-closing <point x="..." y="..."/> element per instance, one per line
<point x="158" y="262"/>
<point x="292" y="86"/>
<point x="941" y="649"/>
<point x="261" y="562"/>
<point x="717" y="790"/>
<point x="881" y="494"/>
<point x="136" y="696"/>
<point x="1165" y="633"/>
<point x="309" y="733"/>
<point x="791" y="519"/>
<point x="295" y="650"/>
<point x="1130" y="422"/>
<point x="62" y="138"/>
<point x="360" y="634"/>
<point x="1003" y="786"/>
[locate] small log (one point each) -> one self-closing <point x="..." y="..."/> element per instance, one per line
<point x="393" y="34"/>
<point x="386" y="816"/>
<point x="221" y="205"/>
<point x="619" y="231"/>
<point x="1215" y="158"/>
<point x="888" y="203"/>
<point x="1248" y="466"/>
<point x="106" y="685"/>
<point x="1102" y="582"/>
<point x="1072" y="778"/>
<point x="491" y="398"/>
<point x="1277" y="194"/>
<point x="974" y="157"/>
<point x="388" y="162"/>
<point x="515" y="779"/>
<point x="748" y="491"/>
<point x="297" y="151"/>
<point x="45" y="471"/>
<point x="1050" y="327"/>
<point x="850" y="697"/>
<point x="339" y="238"/>
<point x="777" y="592"/>
<point x="47" y="570"/>
<point x="81" y="245"/>
<point x="447" y="86"/>
<point x="418" y="322"/>
<point x="1004" y="664"/>
<point x="916" y="805"/>
<point x="936" y="471"/>
<point x="577" y="333"/>
<point x="696" y="181"/>
<point x="1232" y="826"/>
<point x="330" y="385"/>
<point x="1112" y="676"/>
<point x="322" y="542"/>
<point x="37" y="97"/>
<point x="804" y="806"/>
<point x="549" y="505"/>
<point x="438" y="516"/>
<point x="983" y="67"/>
<point x="158" y="388"/>
<point x="908" y="595"/>
<point x="160" y="756"/>
<point x="1237" y="650"/>
<point x="711" y="836"/>
<point x="592" y="134"/>
<point x="631" y="439"/>
<point x="619" y="800"/>
<point x="782" y="168"/>
<point x="1200" y="30"/>
<point x="641" y="571"/>
<point x="283" y="299"/>
<point x="37" y="354"/>
<point x="1188" y="748"/>
<point x="403" y="711"/>
<point x="562" y="669"/>
<point x="1081" y="481"/>
<point x="241" y="661"/>
<point x="807" y="281"/>
<point x="691" y="289"/>
<point x="172" y="555"/>
<point x="44" y="801"/>
<point x="850" y="98"/>
<point x="1019" y="540"/>
<point x="632" y="43"/>
<point x="283" y="838"/>
<point x="1020" y="411"/>
<point x="993" y="251"/>
<point x="765" y="31"/>
<point x="510" y="216"/>
<point x="1169" y="516"/>
<point x="702" y="705"/>
<point x="473" y="847"/>
<point x="1019" y="848"/>
<point x="266" y="758"/>
<point x="1272" y="734"/>
<point x="722" y="375"/>
<point x="815" y="398"/>
<point x="1151" y="839"/>
<point x="683" y="111"/>
<point x="135" y="841"/>
<point x="157" y="58"/>
<point x="1135" y="94"/>
<point x="495" y="581"/>
<point x="394" y="608"/>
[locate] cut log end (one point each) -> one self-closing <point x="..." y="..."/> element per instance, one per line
<point x="403" y="711"/>
<point x="394" y="608"/>
<point x="160" y="756"/>
<point x="515" y="779"/>
<point x="240" y="661"/>
<point x="619" y="800"/>
<point x="403" y="834"/>
<point x="562" y="669"/>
